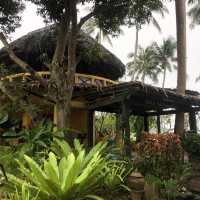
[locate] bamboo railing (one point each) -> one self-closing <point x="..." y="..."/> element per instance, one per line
<point x="81" y="80"/>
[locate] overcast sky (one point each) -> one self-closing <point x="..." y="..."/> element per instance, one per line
<point x="125" y="44"/>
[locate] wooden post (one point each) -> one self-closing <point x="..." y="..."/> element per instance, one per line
<point x="139" y="126"/>
<point x="119" y="136"/>
<point x="158" y="124"/>
<point x="26" y="121"/>
<point x="126" y="127"/>
<point x="91" y="136"/>
<point x="193" y="121"/>
<point x="146" y="124"/>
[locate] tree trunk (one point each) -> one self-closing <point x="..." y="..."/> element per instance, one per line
<point x="136" y="42"/>
<point x="181" y="52"/>
<point x="164" y="78"/>
<point x="58" y="84"/>
<point x="72" y="43"/>
<point x="143" y="77"/>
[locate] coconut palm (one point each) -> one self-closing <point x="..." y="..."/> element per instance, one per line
<point x="165" y="54"/>
<point x="181" y="58"/>
<point x="194" y="14"/>
<point x="145" y="65"/>
<point x="162" y="11"/>
<point x="92" y="27"/>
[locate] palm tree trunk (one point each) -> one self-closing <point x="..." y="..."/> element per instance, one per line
<point x="136" y="48"/>
<point x="136" y="42"/>
<point x="181" y="51"/>
<point x="143" y="77"/>
<point x="164" y="77"/>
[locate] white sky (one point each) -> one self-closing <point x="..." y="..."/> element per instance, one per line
<point x="125" y="44"/>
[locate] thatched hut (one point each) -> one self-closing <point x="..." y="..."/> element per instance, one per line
<point x="37" y="49"/>
<point x="96" y="67"/>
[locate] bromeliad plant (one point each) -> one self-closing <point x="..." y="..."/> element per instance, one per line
<point x="76" y="175"/>
<point x="24" y="194"/>
<point x="116" y="172"/>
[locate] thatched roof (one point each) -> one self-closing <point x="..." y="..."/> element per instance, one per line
<point x="37" y="48"/>
<point x="143" y="99"/>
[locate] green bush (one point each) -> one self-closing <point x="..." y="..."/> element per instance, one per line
<point x="191" y="144"/>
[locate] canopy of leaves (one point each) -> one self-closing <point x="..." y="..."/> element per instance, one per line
<point x="146" y="65"/>
<point x="140" y="11"/>
<point x="194" y="12"/>
<point x="110" y="13"/>
<point x="9" y="15"/>
<point x="165" y="53"/>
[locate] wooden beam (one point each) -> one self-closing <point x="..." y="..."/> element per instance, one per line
<point x="171" y="112"/>
<point x="78" y="104"/>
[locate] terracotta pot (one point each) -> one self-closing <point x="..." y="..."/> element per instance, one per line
<point x="136" y="184"/>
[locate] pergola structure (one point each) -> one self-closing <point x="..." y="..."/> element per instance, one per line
<point x="135" y="98"/>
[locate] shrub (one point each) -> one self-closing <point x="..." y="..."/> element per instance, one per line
<point x="191" y="144"/>
<point x="160" y="155"/>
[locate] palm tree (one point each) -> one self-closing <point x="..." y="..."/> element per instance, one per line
<point x="92" y="27"/>
<point x="162" y="11"/>
<point x="165" y="55"/>
<point x="145" y="65"/>
<point x="194" y="12"/>
<point x="181" y="52"/>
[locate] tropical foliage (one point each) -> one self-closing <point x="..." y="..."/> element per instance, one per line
<point x="194" y="12"/>
<point x="165" y="54"/>
<point x="160" y="155"/>
<point x="145" y="65"/>
<point x="68" y="173"/>
<point x="191" y="144"/>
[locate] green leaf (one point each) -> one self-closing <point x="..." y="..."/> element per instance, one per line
<point x="67" y="176"/>
<point x="94" y="197"/>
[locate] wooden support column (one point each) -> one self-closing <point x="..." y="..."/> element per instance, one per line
<point x="119" y="136"/>
<point x="139" y="127"/>
<point x="91" y="136"/>
<point x="146" y="124"/>
<point x="193" y="121"/>
<point x="158" y="123"/>
<point x="26" y="121"/>
<point x="126" y="127"/>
